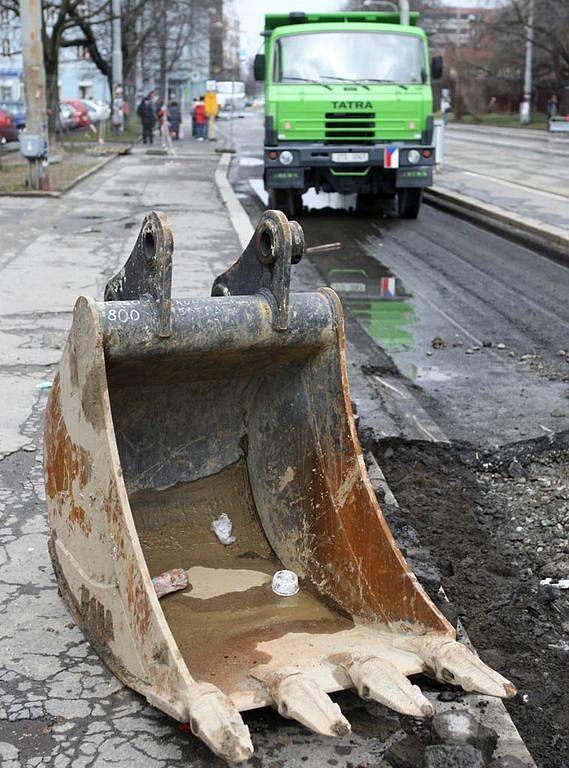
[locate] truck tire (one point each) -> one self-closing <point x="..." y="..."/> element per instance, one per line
<point x="409" y="202"/>
<point x="289" y="201"/>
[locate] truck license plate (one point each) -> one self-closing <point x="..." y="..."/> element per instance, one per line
<point x="350" y="157"/>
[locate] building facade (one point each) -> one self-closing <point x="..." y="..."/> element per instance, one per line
<point x="211" y="51"/>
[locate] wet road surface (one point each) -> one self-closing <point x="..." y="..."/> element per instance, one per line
<point x="479" y="323"/>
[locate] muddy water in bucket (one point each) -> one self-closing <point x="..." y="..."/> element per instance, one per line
<point x="229" y="606"/>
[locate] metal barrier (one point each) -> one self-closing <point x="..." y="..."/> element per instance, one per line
<point x="439" y="141"/>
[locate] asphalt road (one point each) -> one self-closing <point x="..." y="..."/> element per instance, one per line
<point x="479" y="323"/>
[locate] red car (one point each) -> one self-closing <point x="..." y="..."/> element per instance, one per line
<point x="81" y="117"/>
<point x="8" y="130"/>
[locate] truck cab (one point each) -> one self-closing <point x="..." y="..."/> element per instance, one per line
<point x="348" y="108"/>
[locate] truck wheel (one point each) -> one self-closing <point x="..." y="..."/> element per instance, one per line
<point x="289" y="201"/>
<point x="409" y="202"/>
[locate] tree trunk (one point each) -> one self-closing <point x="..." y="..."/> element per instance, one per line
<point x="52" y="94"/>
<point x="163" y="70"/>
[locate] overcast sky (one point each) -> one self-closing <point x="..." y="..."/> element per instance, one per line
<point x="252" y="13"/>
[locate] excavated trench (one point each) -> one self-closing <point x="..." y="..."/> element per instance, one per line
<point x="497" y="526"/>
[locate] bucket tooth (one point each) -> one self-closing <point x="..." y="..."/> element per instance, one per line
<point x="452" y="662"/>
<point x="215" y="720"/>
<point x="380" y="680"/>
<point x="298" y="697"/>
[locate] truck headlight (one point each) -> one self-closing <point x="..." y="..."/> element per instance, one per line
<point x="286" y="157"/>
<point x="413" y="156"/>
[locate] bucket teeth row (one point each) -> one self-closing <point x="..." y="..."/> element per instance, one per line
<point x="452" y="662"/>
<point x="298" y="697"/>
<point x="380" y="680"/>
<point x="216" y="721"/>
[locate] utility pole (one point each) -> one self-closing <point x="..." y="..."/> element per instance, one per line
<point x="34" y="142"/>
<point x="118" y="88"/>
<point x="525" y="108"/>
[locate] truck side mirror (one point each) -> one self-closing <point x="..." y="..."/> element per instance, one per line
<point x="259" y="67"/>
<point x="437" y="68"/>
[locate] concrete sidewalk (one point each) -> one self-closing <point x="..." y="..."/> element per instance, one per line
<point x="521" y="175"/>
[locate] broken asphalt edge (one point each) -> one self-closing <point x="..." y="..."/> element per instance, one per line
<point x="535" y="234"/>
<point x="493" y="713"/>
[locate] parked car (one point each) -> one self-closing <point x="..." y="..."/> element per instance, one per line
<point x="81" y="117"/>
<point x="8" y="130"/>
<point x="98" y="110"/>
<point x="18" y="110"/>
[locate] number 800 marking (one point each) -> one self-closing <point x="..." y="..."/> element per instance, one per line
<point x="124" y="315"/>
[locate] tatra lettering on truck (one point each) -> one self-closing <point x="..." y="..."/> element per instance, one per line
<point x="348" y="108"/>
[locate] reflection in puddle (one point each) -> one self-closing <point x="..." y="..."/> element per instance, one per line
<point x="372" y="293"/>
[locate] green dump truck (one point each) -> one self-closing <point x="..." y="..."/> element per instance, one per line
<point x="348" y="108"/>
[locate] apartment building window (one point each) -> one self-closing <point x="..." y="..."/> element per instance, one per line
<point x="5" y="93"/>
<point x="6" y="47"/>
<point x="4" y="16"/>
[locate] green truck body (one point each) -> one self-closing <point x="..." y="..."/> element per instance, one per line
<point x="348" y="108"/>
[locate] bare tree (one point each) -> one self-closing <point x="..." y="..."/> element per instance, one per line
<point x="65" y="23"/>
<point x="496" y="53"/>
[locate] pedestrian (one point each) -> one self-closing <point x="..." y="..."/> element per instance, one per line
<point x="164" y="124"/>
<point x="145" y="112"/>
<point x="200" y="119"/>
<point x="492" y="105"/>
<point x="175" y="116"/>
<point x="552" y="107"/>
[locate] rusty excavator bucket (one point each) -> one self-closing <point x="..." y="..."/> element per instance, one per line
<point x="170" y="420"/>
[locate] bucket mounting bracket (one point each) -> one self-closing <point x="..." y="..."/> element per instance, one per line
<point x="264" y="266"/>
<point x="147" y="273"/>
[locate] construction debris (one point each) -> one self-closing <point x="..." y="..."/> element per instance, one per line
<point x="223" y="527"/>
<point x="170" y="581"/>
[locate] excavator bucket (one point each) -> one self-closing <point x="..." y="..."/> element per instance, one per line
<point x="210" y="442"/>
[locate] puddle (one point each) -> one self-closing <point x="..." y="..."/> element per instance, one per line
<point x="372" y="293"/>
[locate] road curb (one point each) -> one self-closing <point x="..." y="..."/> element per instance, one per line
<point x="530" y="232"/>
<point x="237" y="214"/>
<point x="91" y="171"/>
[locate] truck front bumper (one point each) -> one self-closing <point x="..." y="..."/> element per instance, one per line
<point x="313" y="165"/>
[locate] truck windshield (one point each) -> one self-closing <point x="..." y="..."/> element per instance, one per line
<point x="373" y="57"/>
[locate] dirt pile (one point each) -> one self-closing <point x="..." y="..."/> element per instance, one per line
<point x="497" y="524"/>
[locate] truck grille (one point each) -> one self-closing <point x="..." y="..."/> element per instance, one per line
<point x="340" y="126"/>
